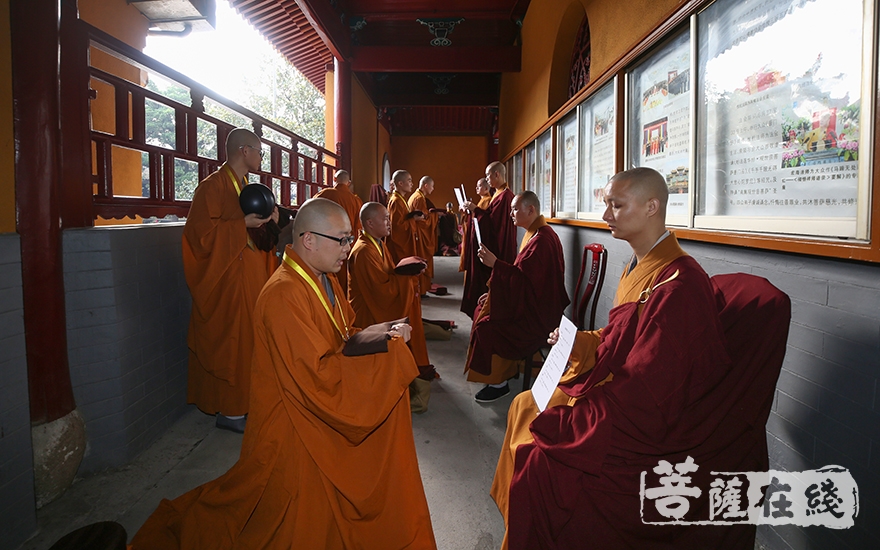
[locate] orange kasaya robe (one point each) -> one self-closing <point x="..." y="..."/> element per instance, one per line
<point x="404" y="238"/>
<point x="352" y="204"/>
<point x="427" y="236"/>
<point x="225" y="273"/>
<point x="583" y="358"/>
<point x="379" y="295"/>
<point x="483" y="204"/>
<point x="328" y="459"/>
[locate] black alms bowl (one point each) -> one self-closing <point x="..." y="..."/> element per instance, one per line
<point x="257" y="199"/>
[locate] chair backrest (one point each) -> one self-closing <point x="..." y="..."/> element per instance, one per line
<point x="592" y="285"/>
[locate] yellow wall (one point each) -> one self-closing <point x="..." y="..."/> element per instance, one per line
<point x="329" y="120"/>
<point x="615" y="27"/>
<point x="124" y="22"/>
<point x="7" y="154"/>
<point x="450" y="160"/>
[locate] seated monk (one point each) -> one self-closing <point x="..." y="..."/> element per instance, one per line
<point x="328" y="458"/>
<point x="378" y="294"/>
<point x="668" y="378"/>
<point x="525" y="300"/>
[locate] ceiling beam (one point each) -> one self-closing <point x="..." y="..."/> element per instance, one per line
<point x="427" y="59"/>
<point x="328" y="25"/>
<point x="417" y="100"/>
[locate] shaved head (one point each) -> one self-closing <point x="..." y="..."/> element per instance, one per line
<point x="238" y="138"/>
<point x="646" y="184"/>
<point x="399" y="176"/>
<point x="529" y="198"/>
<point x="320" y="215"/>
<point x="370" y="210"/>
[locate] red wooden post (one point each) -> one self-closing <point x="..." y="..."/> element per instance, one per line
<point x="35" y="85"/>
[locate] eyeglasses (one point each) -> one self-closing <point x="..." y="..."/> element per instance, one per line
<point x="260" y="149"/>
<point x="341" y="240"/>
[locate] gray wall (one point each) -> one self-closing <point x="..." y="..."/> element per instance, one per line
<point x="18" y="519"/>
<point x="827" y="408"/>
<point x="127" y="316"/>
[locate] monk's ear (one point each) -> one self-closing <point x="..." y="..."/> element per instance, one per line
<point x="653" y="206"/>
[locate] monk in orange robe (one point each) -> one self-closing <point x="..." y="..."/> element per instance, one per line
<point x="656" y="383"/>
<point x="225" y="272"/>
<point x="427" y="231"/>
<point x="342" y="195"/>
<point x="328" y="460"/>
<point x="404" y="239"/>
<point x="524" y="302"/>
<point x="379" y="295"/>
<point x="483" y="198"/>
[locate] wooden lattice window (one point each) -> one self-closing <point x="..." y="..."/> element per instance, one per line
<point x="580" y="60"/>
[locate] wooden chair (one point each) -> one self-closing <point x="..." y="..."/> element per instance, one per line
<point x="592" y="287"/>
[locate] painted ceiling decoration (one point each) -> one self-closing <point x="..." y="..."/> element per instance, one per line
<point x="456" y="73"/>
<point x="441" y="29"/>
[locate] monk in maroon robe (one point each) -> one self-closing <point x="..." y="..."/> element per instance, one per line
<point x="686" y="367"/>
<point x="497" y="233"/>
<point x="524" y="302"/>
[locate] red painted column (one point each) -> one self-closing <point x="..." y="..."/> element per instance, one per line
<point x="342" y="111"/>
<point x="35" y="88"/>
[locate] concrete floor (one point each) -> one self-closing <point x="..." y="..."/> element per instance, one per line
<point x="457" y="439"/>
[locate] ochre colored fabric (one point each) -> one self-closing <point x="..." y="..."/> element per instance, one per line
<point x="343" y="196"/>
<point x="224" y="273"/>
<point x="379" y="295"/>
<point x="499" y="236"/>
<point x="526" y="301"/>
<point x="404" y="238"/>
<point x="328" y="459"/>
<point x="694" y="367"/>
<point x="427" y="236"/>
<point x="466" y="222"/>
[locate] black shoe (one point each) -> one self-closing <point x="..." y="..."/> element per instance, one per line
<point x="489" y="394"/>
<point x="232" y="424"/>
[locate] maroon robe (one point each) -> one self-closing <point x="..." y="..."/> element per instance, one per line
<point x="694" y="375"/>
<point x="526" y="301"/>
<point x="498" y="234"/>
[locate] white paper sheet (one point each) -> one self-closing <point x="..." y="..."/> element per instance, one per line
<point x="458" y="195"/>
<point x="477" y="233"/>
<point x="463" y="192"/>
<point x="554" y="365"/>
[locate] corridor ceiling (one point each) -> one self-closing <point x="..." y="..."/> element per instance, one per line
<point x="428" y="66"/>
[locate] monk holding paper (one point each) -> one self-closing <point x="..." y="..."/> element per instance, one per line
<point x="656" y="384"/>
<point x="497" y="233"/>
<point x="524" y="302"/>
<point x="328" y="460"/>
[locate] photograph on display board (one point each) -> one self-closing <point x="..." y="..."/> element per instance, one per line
<point x="601" y="165"/>
<point x="781" y="124"/>
<point x="660" y="127"/>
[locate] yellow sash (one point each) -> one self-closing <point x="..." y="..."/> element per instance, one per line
<point x="302" y="273"/>
<point x="375" y="243"/>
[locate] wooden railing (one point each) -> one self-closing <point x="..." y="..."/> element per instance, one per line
<point x="293" y="167"/>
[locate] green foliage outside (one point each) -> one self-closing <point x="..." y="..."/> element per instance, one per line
<point x="282" y="95"/>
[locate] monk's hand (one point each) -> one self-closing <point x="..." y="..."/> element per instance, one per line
<point x="469" y="206"/>
<point x="485" y="255"/>
<point x="253" y="220"/>
<point x="481" y="301"/>
<point x="400" y="329"/>
<point x="274" y="216"/>
<point x="554" y="337"/>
